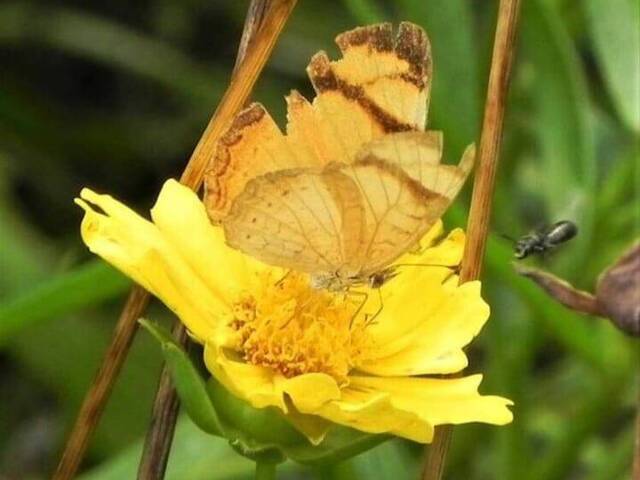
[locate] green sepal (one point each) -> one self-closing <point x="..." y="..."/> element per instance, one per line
<point x="261" y="434"/>
<point x="190" y="386"/>
<point x="341" y="443"/>
<point x="252" y="427"/>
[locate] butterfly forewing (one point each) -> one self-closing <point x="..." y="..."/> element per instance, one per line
<point x="381" y="85"/>
<point x="252" y="146"/>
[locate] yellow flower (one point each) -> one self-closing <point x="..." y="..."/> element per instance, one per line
<point x="319" y="357"/>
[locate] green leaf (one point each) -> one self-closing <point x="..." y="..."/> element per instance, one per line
<point x="255" y="425"/>
<point x="364" y="11"/>
<point x="565" y="177"/>
<point x="455" y="98"/>
<point x="187" y="380"/>
<point x="593" y="411"/>
<point x="267" y="427"/>
<point x="100" y="39"/>
<point x="68" y="292"/>
<point x="254" y="433"/>
<point x="615" y="32"/>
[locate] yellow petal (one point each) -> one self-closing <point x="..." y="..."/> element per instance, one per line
<point x="137" y="248"/>
<point x="372" y="411"/>
<point x="440" y="401"/>
<point x="252" y="383"/>
<point x="420" y="272"/>
<point x="310" y="391"/>
<point x="182" y="220"/>
<point x="431" y="341"/>
<point x="262" y="387"/>
<point x="433" y="250"/>
<point x="311" y="426"/>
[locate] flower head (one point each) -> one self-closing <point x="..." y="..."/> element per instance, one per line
<point x="358" y="359"/>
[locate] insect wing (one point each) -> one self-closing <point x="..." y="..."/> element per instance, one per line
<point x="307" y="220"/>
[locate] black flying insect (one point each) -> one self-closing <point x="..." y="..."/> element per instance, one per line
<point x="546" y="239"/>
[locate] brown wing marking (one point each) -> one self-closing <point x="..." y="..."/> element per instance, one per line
<point x="380" y="85"/>
<point x="252" y="146"/>
<point x="418" y="154"/>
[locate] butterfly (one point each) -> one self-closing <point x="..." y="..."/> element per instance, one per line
<point x="356" y="181"/>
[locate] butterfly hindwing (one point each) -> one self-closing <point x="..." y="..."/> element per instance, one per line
<point x="418" y="154"/>
<point x="304" y="219"/>
<point x="253" y="146"/>
<point x="397" y="211"/>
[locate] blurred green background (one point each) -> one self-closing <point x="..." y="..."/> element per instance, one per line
<point x="114" y="95"/>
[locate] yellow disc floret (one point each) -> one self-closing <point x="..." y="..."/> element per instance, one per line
<point x="294" y="329"/>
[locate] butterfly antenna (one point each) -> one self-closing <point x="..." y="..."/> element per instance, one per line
<point x="507" y="237"/>
<point x="453" y="268"/>
<point x="365" y="297"/>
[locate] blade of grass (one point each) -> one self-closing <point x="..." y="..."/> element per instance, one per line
<point x="594" y="410"/>
<point x="566" y="170"/>
<point x="615" y="36"/>
<point x="455" y="105"/>
<point x="68" y="292"/>
<point x="364" y="11"/>
<point x="616" y="462"/>
<point x="99" y="39"/>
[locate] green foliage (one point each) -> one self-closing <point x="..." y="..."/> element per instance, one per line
<point x="114" y="95"/>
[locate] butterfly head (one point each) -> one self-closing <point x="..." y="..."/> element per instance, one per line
<point x="377" y="279"/>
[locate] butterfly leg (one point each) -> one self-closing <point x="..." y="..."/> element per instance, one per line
<point x="371" y="321"/>
<point x="282" y="279"/>
<point x="364" y="296"/>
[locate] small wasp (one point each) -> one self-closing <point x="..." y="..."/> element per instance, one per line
<point x="545" y="239"/>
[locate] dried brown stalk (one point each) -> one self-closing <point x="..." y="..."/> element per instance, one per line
<point x="617" y="295"/>
<point x="480" y="211"/>
<point x="268" y="19"/>
<point x="635" y="475"/>
<point x="254" y="38"/>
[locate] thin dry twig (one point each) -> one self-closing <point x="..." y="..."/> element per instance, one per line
<point x="480" y="211"/>
<point x="635" y="474"/>
<point x="166" y="404"/>
<point x="636" y="451"/>
<point x="274" y="15"/>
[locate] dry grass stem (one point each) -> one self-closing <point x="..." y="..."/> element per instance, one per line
<point x="266" y="18"/>
<point x="636" y="451"/>
<point x="263" y="24"/>
<point x="480" y="210"/>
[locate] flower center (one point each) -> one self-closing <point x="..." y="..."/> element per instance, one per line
<point x="291" y="328"/>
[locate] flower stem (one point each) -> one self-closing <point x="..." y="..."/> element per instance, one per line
<point x="480" y="210"/>
<point x="267" y="18"/>
<point x="265" y="471"/>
